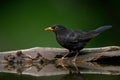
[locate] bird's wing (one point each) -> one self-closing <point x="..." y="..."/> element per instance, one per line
<point x="77" y="36"/>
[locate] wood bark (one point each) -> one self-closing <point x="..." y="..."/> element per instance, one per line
<point x="43" y="61"/>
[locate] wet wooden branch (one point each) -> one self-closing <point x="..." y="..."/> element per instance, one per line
<point x="50" y="53"/>
<point x="102" y="60"/>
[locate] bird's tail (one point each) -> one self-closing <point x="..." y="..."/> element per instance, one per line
<point x="102" y="28"/>
<point x="99" y="30"/>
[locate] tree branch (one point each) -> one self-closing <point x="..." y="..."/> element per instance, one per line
<point x="103" y="60"/>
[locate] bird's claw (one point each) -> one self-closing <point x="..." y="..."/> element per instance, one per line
<point x="62" y="58"/>
<point x="74" y="60"/>
<point x="60" y="62"/>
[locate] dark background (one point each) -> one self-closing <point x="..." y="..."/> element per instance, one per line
<point x="22" y="22"/>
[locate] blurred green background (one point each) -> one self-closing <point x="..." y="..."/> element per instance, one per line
<point x="22" y="22"/>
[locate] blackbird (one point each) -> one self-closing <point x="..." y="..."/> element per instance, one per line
<point x="74" y="40"/>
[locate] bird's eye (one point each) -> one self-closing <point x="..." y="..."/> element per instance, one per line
<point x="55" y="28"/>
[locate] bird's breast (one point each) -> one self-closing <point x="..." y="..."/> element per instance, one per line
<point x="62" y="40"/>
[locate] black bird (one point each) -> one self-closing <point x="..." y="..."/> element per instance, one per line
<point x="74" y="40"/>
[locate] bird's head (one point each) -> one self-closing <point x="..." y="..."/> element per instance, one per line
<point x="56" y="28"/>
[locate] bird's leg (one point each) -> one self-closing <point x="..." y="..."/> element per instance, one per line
<point x="71" y="51"/>
<point x="75" y="66"/>
<point x="77" y="52"/>
<point x="61" y="60"/>
<point x="64" y="55"/>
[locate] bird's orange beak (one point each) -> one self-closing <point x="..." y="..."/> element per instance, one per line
<point x="49" y="28"/>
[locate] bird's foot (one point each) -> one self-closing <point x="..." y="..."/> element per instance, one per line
<point x="74" y="60"/>
<point x="60" y="62"/>
<point x="62" y="58"/>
